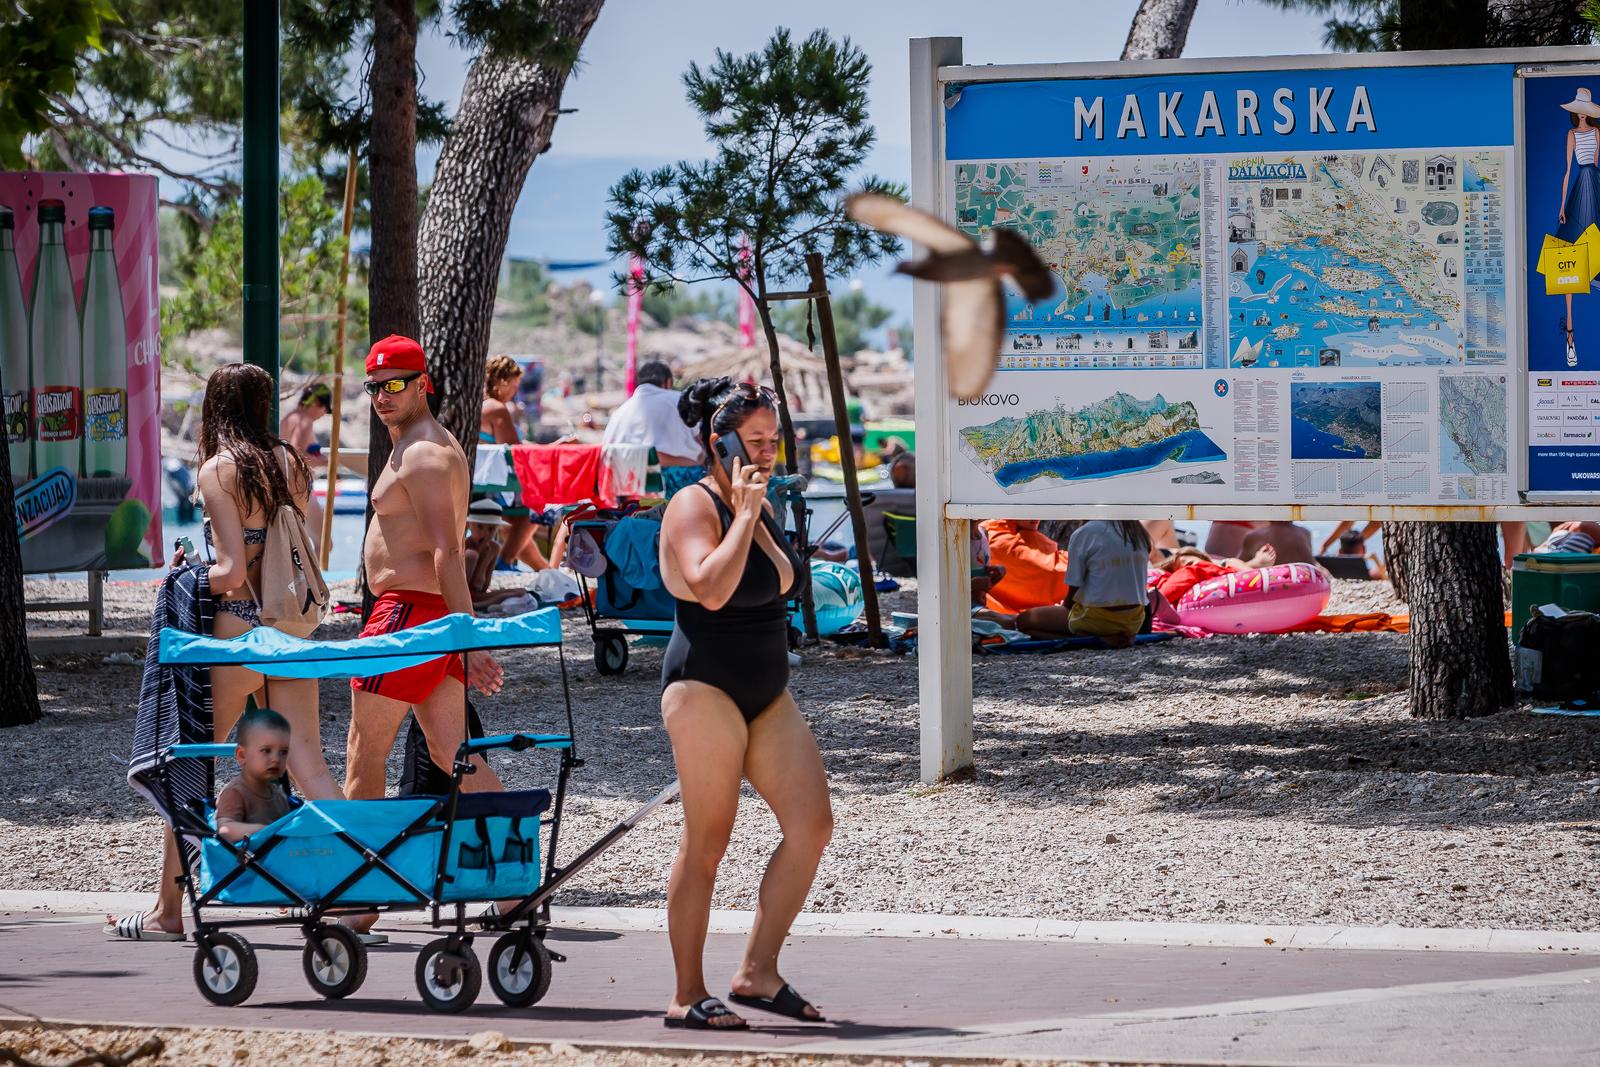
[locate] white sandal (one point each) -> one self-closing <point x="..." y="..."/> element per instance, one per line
<point x="132" y="928"/>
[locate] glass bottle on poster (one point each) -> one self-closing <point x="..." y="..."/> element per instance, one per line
<point x="57" y="345"/>
<point x="15" y="375"/>
<point x="105" y="355"/>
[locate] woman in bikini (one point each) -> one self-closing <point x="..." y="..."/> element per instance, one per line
<point x="501" y="375"/>
<point x="246" y="474"/>
<point x="1580" y="192"/>
<point x="727" y="708"/>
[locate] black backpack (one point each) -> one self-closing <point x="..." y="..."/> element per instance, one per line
<point x="1556" y="657"/>
<point x="420" y="776"/>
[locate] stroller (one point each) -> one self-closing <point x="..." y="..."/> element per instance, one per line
<point x="332" y="858"/>
<point x="612" y="592"/>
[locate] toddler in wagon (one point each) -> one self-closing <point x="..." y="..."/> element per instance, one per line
<point x="256" y="797"/>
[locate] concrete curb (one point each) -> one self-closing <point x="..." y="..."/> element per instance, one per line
<point x="889" y="924"/>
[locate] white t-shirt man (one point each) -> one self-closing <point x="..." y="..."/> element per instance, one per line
<point x="650" y="417"/>
<point x="1105" y="570"/>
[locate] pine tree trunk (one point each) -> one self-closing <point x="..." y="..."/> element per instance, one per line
<point x="1460" y="657"/>
<point x="1160" y="29"/>
<point x="1397" y="556"/>
<point x="507" y="115"/>
<point x="392" y="171"/>
<point x="20" y="705"/>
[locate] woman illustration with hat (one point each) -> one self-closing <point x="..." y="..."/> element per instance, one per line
<point x="1580" y="192"/>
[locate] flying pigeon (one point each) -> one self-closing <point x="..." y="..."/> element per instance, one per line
<point x="974" y="321"/>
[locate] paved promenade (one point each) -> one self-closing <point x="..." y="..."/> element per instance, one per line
<point x="987" y="992"/>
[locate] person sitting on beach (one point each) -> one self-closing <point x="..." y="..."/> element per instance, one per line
<point x="256" y="797"/>
<point x="485" y="521"/>
<point x="1338" y="535"/>
<point x="650" y="417"/>
<point x="1034" y="566"/>
<point x="1108" y="563"/>
<point x="903" y="470"/>
<point x="1290" y="542"/>
<point x="1354" y="543"/>
<point x="496" y="426"/>
<point x="297" y="428"/>
<point x="1578" y="537"/>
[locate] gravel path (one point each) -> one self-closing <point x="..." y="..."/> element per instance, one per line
<point x="1272" y="779"/>
<point x="49" y="1045"/>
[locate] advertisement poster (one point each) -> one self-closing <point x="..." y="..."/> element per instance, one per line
<point x="1561" y="123"/>
<point x="80" y="368"/>
<point x="1273" y="287"/>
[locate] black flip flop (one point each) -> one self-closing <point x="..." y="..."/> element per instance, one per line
<point x="785" y="1002"/>
<point x="699" y="1017"/>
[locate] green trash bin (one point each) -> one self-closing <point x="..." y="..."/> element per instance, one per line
<point x="1571" y="580"/>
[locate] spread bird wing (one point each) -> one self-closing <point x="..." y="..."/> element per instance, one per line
<point x="888" y="215"/>
<point x="974" y="324"/>
<point x="1016" y="257"/>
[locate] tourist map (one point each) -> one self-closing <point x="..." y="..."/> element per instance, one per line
<point x="1315" y="327"/>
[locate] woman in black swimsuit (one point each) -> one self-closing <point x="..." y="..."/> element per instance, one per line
<point x="726" y="704"/>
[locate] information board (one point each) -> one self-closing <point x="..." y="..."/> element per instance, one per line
<point x="1274" y="287"/>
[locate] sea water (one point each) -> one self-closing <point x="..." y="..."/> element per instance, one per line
<point x="1190" y="446"/>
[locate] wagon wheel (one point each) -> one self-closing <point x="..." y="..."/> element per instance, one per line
<point x="448" y="975"/>
<point x="225" y="968"/>
<point x="610" y="653"/>
<point x="335" y="961"/>
<point x="519" y="969"/>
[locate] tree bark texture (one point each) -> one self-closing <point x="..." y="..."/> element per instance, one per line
<point x="20" y="705"/>
<point x="1460" y="657"/>
<point x="1160" y="29"/>
<point x="1397" y="555"/>
<point x="507" y="116"/>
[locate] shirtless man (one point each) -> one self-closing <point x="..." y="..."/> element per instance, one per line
<point x="415" y="564"/>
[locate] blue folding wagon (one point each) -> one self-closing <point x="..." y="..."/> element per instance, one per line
<point x="331" y="858"/>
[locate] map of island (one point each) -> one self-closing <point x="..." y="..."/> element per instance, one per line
<point x="1122" y="236"/>
<point x="1336" y="420"/>
<point x="1472" y="425"/>
<point x="1118" y="435"/>
<point x="1351" y="260"/>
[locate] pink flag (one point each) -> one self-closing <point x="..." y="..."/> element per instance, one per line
<point x="635" y="302"/>
<point x="747" y="306"/>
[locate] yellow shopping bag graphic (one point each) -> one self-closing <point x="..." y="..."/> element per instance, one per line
<point x="1566" y="266"/>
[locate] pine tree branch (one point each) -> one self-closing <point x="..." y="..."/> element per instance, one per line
<point x="86" y="122"/>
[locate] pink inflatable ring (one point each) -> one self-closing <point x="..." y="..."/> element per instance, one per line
<point x="1257" y="601"/>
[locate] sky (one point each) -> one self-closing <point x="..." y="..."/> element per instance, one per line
<point x="628" y="89"/>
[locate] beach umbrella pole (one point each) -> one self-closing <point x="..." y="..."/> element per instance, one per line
<point x="337" y="406"/>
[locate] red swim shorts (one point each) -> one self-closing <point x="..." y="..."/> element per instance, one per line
<point x="401" y="609"/>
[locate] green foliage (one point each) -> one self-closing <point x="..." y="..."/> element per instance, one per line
<point x="854" y="316"/>
<point x="311" y="248"/>
<point x="41" y="41"/>
<point x="1392" y="25"/>
<point x="789" y="126"/>
<point x="525" y="291"/>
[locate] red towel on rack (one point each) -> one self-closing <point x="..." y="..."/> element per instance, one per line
<point x="552" y="475"/>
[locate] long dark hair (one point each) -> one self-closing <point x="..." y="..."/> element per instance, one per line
<point x="720" y="405"/>
<point x="233" y="420"/>
<point x="1133" y="533"/>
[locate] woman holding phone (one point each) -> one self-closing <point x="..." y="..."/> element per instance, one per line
<point x="726" y="704"/>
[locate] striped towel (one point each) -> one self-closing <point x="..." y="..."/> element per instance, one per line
<point x="175" y="702"/>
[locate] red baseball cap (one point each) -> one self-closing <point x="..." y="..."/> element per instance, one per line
<point x="397" y="352"/>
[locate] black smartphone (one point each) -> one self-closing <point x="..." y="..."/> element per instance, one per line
<point x="730" y="447"/>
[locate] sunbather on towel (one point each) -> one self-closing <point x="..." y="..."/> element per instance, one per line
<point x="256" y="797"/>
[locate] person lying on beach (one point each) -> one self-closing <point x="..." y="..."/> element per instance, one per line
<point x="256" y="797"/>
<point x="1579" y="537"/>
<point x="485" y="524"/>
<point x="1290" y="541"/>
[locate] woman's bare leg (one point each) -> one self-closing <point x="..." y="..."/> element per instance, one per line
<point x="784" y="766"/>
<point x="708" y="745"/>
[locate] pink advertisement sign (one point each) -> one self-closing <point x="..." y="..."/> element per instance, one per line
<point x="80" y="368"/>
